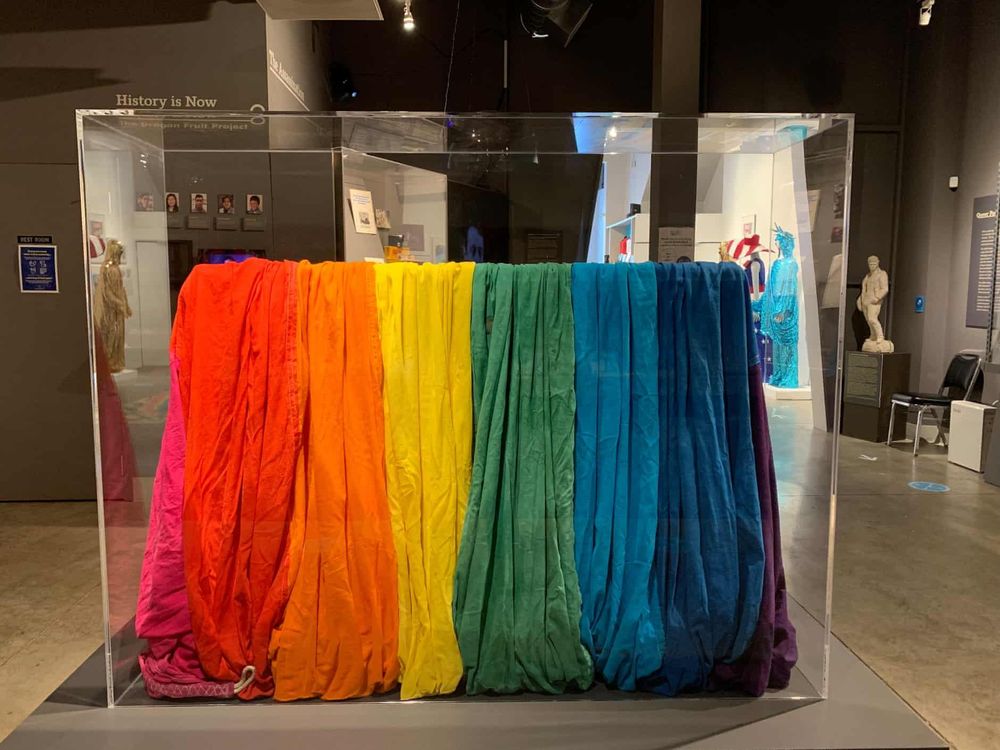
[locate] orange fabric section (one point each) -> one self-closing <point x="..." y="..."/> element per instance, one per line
<point x="234" y="337"/>
<point x="339" y="635"/>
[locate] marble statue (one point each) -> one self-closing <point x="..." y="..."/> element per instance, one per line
<point x="874" y="287"/>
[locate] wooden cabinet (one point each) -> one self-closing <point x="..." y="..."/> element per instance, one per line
<point x="870" y="379"/>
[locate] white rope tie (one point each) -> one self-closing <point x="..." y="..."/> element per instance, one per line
<point x="246" y="678"/>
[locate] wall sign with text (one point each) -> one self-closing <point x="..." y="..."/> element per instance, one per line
<point x="984" y="225"/>
<point x="37" y="267"/>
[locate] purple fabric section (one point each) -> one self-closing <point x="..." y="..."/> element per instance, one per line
<point x="772" y="654"/>
<point x="170" y="665"/>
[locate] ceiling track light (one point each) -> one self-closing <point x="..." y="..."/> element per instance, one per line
<point x="408" y="23"/>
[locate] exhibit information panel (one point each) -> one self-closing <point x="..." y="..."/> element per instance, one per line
<point x="413" y="405"/>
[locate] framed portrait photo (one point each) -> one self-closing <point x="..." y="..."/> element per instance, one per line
<point x="144" y="202"/>
<point x="255" y="204"/>
<point x="199" y="203"/>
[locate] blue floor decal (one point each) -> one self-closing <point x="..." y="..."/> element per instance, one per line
<point x="930" y="487"/>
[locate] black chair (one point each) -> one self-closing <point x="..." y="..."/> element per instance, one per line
<point x="964" y="377"/>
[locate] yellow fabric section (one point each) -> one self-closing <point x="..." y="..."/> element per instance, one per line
<point x="424" y="317"/>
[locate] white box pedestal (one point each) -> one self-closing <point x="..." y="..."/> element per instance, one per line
<point x="970" y="424"/>
<point x="787" y="394"/>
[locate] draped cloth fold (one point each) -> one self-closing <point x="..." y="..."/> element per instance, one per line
<point x="338" y="638"/>
<point x="234" y="340"/>
<point x="517" y="598"/>
<point x="169" y="665"/>
<point x="617" y="468"/>
<point x="424" y="315"/>
<point x="773" y="650"/>
<point x="709" y="554"/>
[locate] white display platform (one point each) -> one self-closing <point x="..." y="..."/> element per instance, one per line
<point x="787" y="394"/>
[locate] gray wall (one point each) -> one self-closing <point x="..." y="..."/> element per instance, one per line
<point x="56" y="57"/>
<point x="217" y="173"/>
<point x="303" y="50"/>
<point x="303" y="216"/>
<point x="46" y="442"/>
<point x="952" y="128"/>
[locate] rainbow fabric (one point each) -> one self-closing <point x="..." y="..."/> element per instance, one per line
<point x="484" y="477"/>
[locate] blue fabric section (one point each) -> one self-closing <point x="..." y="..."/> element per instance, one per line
<point x="679" y="571"/>
<point x="617" y="461"/>
<point x="739" y="354"/>
<point x="709" y="552"/>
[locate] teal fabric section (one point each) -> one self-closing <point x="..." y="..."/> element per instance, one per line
<point x="617" y="468"/>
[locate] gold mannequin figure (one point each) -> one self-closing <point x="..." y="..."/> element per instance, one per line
<point x="111" y="307"/>
<point x="724" y="254"/>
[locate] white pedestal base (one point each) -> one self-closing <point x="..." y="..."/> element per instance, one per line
<point x="787" y="394"/>
<point x="880" y="347"/>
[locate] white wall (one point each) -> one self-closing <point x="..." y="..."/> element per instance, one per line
<point x="763" y="186"/>
<point x="745" y="184"/>
<point x="424" y="202"/>
<point x="414" y="197"/>
<point x="626" y="181"/>
<point x="111" y="198"/>
<point x="788" y="180"/>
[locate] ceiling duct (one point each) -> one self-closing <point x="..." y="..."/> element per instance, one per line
<point x="555" y="18"/>
<point x="322" y="10"/>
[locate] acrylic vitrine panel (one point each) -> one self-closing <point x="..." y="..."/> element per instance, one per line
<point x="179" y="189"/>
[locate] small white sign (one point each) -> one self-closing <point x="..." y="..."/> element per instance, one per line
<point x="675" y="243"/>
<point x="363" y="211"/>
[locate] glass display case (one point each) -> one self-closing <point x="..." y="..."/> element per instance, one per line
<point x="163" y="192"/>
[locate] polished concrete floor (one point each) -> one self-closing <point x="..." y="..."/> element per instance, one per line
<point x="915" y="597"/>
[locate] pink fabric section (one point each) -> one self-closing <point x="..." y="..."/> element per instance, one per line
<point x="170" y="666"/>
<point x="117" y="458"/>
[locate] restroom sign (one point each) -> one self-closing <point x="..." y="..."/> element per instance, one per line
<point x="37" y="268"/>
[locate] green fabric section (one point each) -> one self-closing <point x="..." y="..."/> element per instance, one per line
<point x="517" y="597"/>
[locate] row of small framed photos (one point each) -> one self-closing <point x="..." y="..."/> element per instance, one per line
<point x="225" y="203"/>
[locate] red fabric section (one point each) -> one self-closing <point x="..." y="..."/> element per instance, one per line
<point x="234" y="338"/>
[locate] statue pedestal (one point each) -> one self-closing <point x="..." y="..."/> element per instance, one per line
<point x="772" y="393"/>
<point x="870" y="379"/>
<point x="878" y="347"/>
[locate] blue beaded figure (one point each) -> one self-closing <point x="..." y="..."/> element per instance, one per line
<point x="780" y="313"/>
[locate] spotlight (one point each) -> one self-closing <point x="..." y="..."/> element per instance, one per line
<point x="925" y="12"/>
<point x="408" y="23"/>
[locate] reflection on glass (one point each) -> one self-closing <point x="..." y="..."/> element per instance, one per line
<point x="434" y="188"/>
